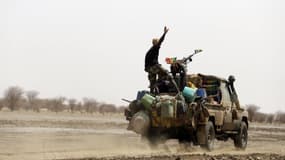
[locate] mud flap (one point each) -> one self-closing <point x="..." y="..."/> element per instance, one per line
<point x="128" y="114"/>
<point x="129" y="127"/>
<point x="233" y="126"/>
<point x="237" y="125"/>
<point x="201" y="136"/>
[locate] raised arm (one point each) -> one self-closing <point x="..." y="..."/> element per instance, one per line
<point x="162" y="37"/>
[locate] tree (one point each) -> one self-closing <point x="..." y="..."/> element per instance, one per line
<point x="56" y="104"/>
<point x="12" y="96"/>
<point x="269" y="118"/>
<point x="1" y="104"/>
<point x="279" y="117"/>
<point x="121" y="109"/>
<point x="72" y="104"/>
<point x="259" y="117"/>
<point x="90" y="105"/>
<point x="252" y="110"/>
<point x="32" y="98"/>
<point x="107" y="108"/>
<point x="79" y="107"/>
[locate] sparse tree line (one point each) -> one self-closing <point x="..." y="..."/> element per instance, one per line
<point x="255" y="116"/>
<point x="16" y="98"/>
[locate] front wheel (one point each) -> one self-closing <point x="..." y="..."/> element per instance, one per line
<point x="240" y="140"/>
<point x="209" y="136"/>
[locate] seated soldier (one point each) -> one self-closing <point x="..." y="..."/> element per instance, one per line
<point x="178" y="68"/>
<point x="211" y="100"/>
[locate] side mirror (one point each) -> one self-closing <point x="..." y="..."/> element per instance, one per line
<point x="197" y="51"/>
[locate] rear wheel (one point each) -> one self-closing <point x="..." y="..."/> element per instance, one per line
<point x="151" y="140"/>
<point x="184" y="145"/>
<point x="154" y="137"/>
<point x="209" y="136"/>
<point x="240" y="140"/>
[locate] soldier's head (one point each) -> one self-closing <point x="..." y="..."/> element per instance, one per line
<point x="231" y="79"/>
<point x="155" y="41"/>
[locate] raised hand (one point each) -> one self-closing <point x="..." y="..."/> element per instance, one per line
<point x="166" y="29"/>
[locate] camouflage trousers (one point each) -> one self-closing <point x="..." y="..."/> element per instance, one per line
<point x="155" y="73"/>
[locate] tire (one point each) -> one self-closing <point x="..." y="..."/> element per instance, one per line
<point x="152" y="141"/>
<point x="154" y="138"/>
<point x="184" y="146"/>
<point x="240" y="140"/>
<point x="209" y="137"/>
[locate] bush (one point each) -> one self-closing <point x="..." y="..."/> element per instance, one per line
<point x="107" y="108"/>
<point x="1" y="104"/>
<point x="32" y="100"/>
<point x="72" y="104"/>
<point x="12" y="97"/>
<point x="90" y="105"/>
<point x="251" y="109"/>
<point x="279" y="117"/>
<point x="56" y="104"/>
<point x="121" y="109"/>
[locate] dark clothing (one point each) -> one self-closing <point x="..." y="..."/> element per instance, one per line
<point x="152" y="66"/>
<point x="153" y="71"/>
<point x="180" y="69"/>
<point x="151" y="57"/>
<point x="156" y="70"/>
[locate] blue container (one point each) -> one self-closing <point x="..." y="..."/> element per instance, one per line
<point x="201" y="92"/>
<point x="189" y="94"/>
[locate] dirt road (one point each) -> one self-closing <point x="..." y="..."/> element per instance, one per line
<point x="28" y="135"/>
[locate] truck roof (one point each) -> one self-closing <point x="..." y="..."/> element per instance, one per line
<point x="212" y="77"/>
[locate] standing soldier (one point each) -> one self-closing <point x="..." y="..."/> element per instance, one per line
<point x="151" y="62"/>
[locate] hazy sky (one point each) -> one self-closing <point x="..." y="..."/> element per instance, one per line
<point x="92" y="48"/>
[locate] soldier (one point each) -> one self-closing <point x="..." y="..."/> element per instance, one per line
<point x="179" y="68"/>
<point x="151" y="62"/>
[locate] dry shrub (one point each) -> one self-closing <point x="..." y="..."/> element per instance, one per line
<point x="32" y="97"/>
<point x="279" y="117"/>
<point x="56" y="104"/>
<point x="259" y="117"/>
<point x="255" y="116"/>
<point x="2" y="104"/>
<point x="269" y="118"/>
<point x="72" y="104"/>
<point x="90" y="105"/>
<point x="12" y="97"/>
<point x="107" y="108"/>
<point x="252" y="110"/>
<point x="121" y="109"/>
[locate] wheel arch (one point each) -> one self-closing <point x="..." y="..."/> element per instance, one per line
<point x="213" y="120"/>
<point x="244" y="119"/>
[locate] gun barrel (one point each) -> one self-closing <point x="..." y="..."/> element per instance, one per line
<point x="128" y="101"/>
<point x="196" y="51"/>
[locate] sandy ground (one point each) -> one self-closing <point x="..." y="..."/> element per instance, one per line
<point x="28" y="135"/>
